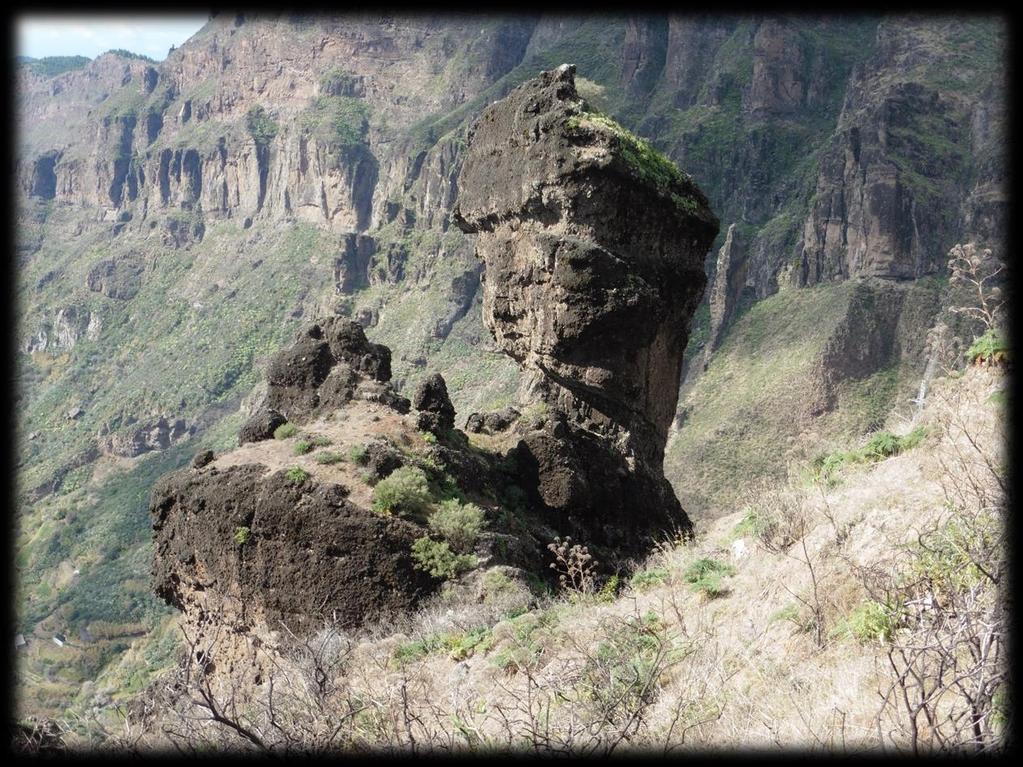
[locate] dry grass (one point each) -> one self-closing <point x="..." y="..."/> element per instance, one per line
<point x="765" y="664"/>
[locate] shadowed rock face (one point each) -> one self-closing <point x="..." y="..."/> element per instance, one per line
<point x="593" y="252"/>
<point x="310" y="551"/>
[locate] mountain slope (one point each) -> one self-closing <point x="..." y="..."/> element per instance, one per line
<point x="176" y="220"/>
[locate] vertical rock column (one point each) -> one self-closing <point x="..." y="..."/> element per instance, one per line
<point x="593" y="247"/>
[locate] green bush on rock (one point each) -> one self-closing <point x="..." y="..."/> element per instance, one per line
<point x="437" y="558"/>
<point x="406" y="491"/>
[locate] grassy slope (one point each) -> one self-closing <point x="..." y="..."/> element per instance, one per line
<point x="746" y="666"/>
<point x="742" y="416"/>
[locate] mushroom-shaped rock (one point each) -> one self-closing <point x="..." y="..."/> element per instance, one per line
<point x="593" y="246"/>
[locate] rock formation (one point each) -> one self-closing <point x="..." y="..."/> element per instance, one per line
<point x="592" y="271"/>
<point x="436" y="413"/>
<point x="593" y="249"/>
<point x="330" y="364"/>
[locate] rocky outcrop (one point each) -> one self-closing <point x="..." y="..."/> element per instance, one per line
<point x="306" y="553"/>
<point x="604" y="246"/>
<point x="70" y="325"/>
<point x="490" y="423"/>
<point x="728" y="286"/>
<point x="593" y="255"/>
<point x="436" y="413"/>
<point x="119" y="278"/>
<point x="330" y="364"/>
<point x="138" y="437"/>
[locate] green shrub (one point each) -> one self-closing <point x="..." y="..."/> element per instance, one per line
<point x="457" y="523"/>
<point x="428" y="436"/>
<point x="884" y="444"/>
<point x="872" y="621"/>
<point x="945" y="557"/>
<point x="458" y="645"/>
<point x="461" y="646"/>
<point x="285" y="430"/>
<point x="302" y="447"/>
<point x="420" y="648"/>
<point x="704" y="576"/>
<point x="359" y="455"/>
<point x="297" y="474"/>
<point x="406" y="491"/>
<point x="990" y="347"/>
<point x="640" y="155"/>
<point x="328" y="457"/>
<point x="913" y="439"/>
<point x="336" y="81"/>
<point x="621" y="676"/>
<point x="495" y="582"/>
<point x="338" y="121"/>
<point x="646" y="579"/>
<point x="753" y="525"/>
<point x="437" y="558"/>
<point x="321" y="441"/>
<point x="261" y="126"/>
<point x="788" y="613"/>
<point x="241" y="535"/>
<point x="609" y="590"/>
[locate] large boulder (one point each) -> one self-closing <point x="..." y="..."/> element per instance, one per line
<point x="330" y="363"/>
<point x="272" y="548"/>
<point x="593" y="246"/>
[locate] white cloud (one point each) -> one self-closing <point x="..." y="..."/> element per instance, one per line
<point x="69" y="35"/>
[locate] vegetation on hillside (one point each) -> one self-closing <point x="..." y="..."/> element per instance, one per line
<point x="51" y="66"/>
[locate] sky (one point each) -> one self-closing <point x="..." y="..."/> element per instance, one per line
<point x="90" y="35"/>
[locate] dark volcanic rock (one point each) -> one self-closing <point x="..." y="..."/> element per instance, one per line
<point x="436" y="413"/>
<point x="490" y="423"/>
<point x="116" y="278"/>
<point x="306" y="554"/>
<point x="593" y="251"/>
<point x="326" y="368"/>
<point x="382" y="459"/>
<point x="260" y="426"/>
<point x="202" y="458"/>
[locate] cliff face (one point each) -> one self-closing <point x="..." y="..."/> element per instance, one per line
<point x="886" y="203"/>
